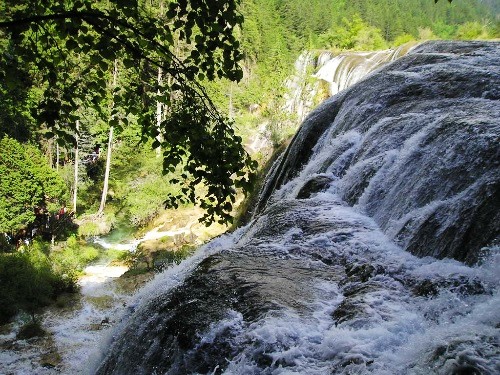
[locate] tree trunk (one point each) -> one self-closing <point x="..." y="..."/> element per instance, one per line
<point x="108" y="156"/>
<point x="75" y="189"/>
<point x="106" y="173"/>
<point x="159" y="115"/>
<point x="159" y="105"/>
<point x="57" y="155"/>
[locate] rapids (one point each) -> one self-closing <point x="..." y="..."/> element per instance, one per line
<point x="373" y="249"/>
<point x="73" y="331"/>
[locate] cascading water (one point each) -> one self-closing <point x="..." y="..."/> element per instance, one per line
<point x="338" y="71"/>
<point x="345" y="69"/>
<point x="333" y="274"/>
<point x="75" y="329"/>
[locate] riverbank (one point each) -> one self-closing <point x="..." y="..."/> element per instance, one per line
<point x="73" y="326"/>
<point x="77" y="322"/>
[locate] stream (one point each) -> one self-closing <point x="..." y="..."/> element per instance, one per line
<point x="76" y="324"/>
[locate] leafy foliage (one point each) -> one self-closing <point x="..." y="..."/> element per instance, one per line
<point x="27" y="184"/>
<point x="353" y="34"/>
<point x="24" y="285"/>
<point x="70" y="260"/>
<point x="15" y="118"/>
<point x="71" y="47"/>
<point x="28" y="281"/>
<point x="31" y="278"/>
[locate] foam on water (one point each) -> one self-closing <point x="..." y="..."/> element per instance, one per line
<point x="393" y="329"/>
<point x="397" y="333"/>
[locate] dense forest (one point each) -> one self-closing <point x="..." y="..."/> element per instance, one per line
<point x="108" y="138"/>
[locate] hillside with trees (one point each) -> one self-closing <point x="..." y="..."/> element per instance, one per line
<point x="112" y="110"/>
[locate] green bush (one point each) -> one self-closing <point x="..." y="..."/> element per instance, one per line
<point x="72" y="258"/>
<point x="27" y="283"/>
<point x="29" y="330"/>
<point x="32" y="277"/>
<point x="402" y="39"/>
<point x="30" y="184"/>
<point x="115" y="254"/>
<point x="88" y="229"/>
<point x="471" y="30"/>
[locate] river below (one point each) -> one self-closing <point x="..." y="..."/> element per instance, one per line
<point x="75" y="325"/>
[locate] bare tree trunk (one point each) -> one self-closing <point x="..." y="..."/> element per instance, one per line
<point x="159" y="105"/>
<point x="159" y="115"/>
<point x="50" y="152"/>
<point x="75" y="189"/>
<point x="106" y="173"/>
<point x="108" y="156"/>
<point x="57" y="155"/>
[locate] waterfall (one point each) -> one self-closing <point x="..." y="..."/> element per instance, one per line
<point x="337" y="70"/>
<point x="345" y="69"/>
<point x="300" y="91"/>
<point x="374" y="248"/>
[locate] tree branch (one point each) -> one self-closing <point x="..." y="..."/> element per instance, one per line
<point x="50" y="17"/>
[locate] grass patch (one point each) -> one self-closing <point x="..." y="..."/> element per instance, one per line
<point x="30" y="330"/>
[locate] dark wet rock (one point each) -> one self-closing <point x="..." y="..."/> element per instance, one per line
<point x="51" y="359"/>
<point x="426" y="288"/>
<point x="364" y="173"/>
<point x="172" y="338"/>
<point x="363" y="272"/>
<point x="31" y="330"/>
<point x="299" y="151"/>
<point x="348" y="310"/>
<point x="466" y="287"/>
<point x="418" y="158"/>
<point x="351" y="364"/>
<point x="354" y="308"/>
<point x="460" y="357"/>
<point x="424" y="136"/>
<point x="460" y="285"/>
<point x="466" y="370"/>
<point x="313" y="186"/>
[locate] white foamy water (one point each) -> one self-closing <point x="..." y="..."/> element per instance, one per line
<point x="337" y="71"/>
<point x="326" y="278"/>
<point x="153" y="234"/>
<point x="393" y="331"/>
<point x="74" y="330"/>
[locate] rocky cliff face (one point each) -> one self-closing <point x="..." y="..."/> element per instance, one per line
<point x="324" y="280"/>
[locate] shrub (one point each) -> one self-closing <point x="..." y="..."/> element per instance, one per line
<point x="29" y="182"/>
<point x="471" y="30"/>
<point x="29" y="330"/>
<point x="72" y="258"/>
<point x="88" y="229"/>
<point x="402" y="39"/>
<point x="115" y="254"/>
<point x="27" y="283"/>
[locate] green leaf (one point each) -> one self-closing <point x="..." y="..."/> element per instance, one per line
<point x="71" y="44"/>
<point x="128" y="63"/>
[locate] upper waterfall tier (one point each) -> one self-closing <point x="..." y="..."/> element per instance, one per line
<point x="337" y="70"/>
<point x="345" y="69"/>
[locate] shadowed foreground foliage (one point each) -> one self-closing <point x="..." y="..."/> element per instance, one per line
<point x="71" y="50"/>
